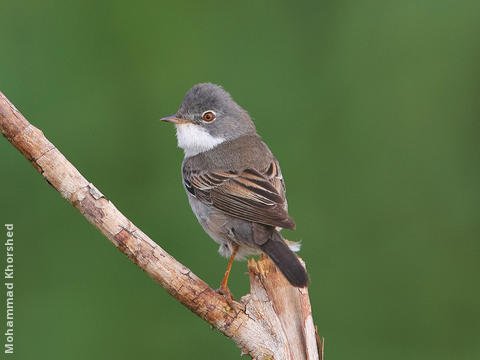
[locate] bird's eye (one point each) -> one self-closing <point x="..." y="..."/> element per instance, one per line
<point x="208" y="116"/>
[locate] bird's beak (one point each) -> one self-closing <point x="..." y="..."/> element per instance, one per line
<point x="174" y="119"/>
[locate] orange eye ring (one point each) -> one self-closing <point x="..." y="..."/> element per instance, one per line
<point x="208" y="116"/>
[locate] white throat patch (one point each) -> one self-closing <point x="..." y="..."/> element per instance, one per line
<point x="193" y="139"/>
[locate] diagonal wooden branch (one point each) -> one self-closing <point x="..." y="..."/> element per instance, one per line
<point x="274" y="321"/>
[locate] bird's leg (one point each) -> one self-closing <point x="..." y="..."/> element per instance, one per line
<point x="224" y="290"/>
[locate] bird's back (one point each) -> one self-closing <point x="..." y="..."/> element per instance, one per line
<point x="226" y="156"/>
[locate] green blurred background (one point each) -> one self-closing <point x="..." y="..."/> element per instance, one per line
<point x="372" y="108"/>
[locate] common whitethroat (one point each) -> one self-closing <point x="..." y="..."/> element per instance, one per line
<point x="233" y="182"/>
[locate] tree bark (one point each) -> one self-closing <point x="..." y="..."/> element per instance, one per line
<point x="274" y="321"/>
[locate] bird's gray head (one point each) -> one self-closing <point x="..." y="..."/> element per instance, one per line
<point x="207" y="117"/>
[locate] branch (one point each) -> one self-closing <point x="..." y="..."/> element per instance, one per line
<point x="273" y="321"/>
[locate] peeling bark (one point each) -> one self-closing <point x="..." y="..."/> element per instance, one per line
<point x="274" y="321"/>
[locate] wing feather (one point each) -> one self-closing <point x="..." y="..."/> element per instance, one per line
<point x="252" y="195"/>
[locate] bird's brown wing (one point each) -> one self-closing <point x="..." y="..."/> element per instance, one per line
<point x="252" y="195"/>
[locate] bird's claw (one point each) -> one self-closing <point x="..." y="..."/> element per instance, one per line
<point x="227" y="294"/>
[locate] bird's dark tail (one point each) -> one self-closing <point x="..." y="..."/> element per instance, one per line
<point x="285" y="259"/>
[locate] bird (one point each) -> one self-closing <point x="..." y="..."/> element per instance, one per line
<point x="233" y="182"/>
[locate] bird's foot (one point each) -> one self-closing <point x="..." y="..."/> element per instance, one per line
<point x="227" y="294"/>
